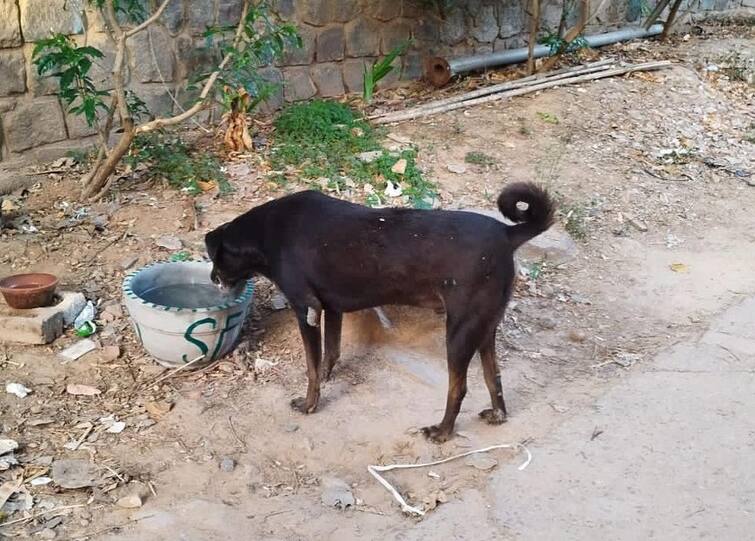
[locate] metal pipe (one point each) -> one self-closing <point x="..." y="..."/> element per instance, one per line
<point x="439" y="71"/>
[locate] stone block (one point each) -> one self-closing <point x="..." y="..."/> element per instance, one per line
<point x="10" y="32"/>
<point x="426" y="29"/>
<point x="384" y="10"/>
<point x="77" y="126"/>
<point x="12" y="73"/>
<point x="305" y="54"/>
<point x="285" y="9"/>
<point x="297" y="84"/>
<point x="200" y="15"/>
<point x="353" y="73"/>
<point x="146" y="66"/>
<point x="102" y="68"/>
<point x="39" y="325"/>
<point x="511" y="19"/>
<point x="275" y="101"/>
<point x="362" y="38"/>
<point x="173" y="16"/>
<point x="328" y="79"/>
<point x="53" y="151"/>
<point x="453" y="28"/>
<point x="229" y="12"/>
<point x="412" y="69"/>
<point x="486" y="28"/>
<point x="748" y="3"/>
<point x="42" y="18"/>
<point x="194" y="56"/>
<point x="330" y="44"/>
<point x="414" y="8"/>
<point x="157" y="99"/>
<point x="322" y="12"/>
<point x="34" y="123"/>
<point x="38" y="85"/>
<point x="395" y="34"/>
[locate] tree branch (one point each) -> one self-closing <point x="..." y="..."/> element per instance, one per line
<point x="152" y="19"/>
<point x="201" y="103"/>
<point x="534" y="25"/>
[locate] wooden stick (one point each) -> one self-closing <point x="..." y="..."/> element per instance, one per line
<point x="670" y="20"/>
<point x="510" y="85"/>
<point x="656" y="13"/>
<point x="534" y="26"/>
<point x="411" y="114"/>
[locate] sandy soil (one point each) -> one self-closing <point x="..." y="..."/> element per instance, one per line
<point x="647" y="165"/>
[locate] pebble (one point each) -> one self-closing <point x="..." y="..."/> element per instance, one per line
<point x="73" y="473"/>
<point x="110" y="353"/>
<point x="169" y="242"/>
<point x="291" y="427"/>
<point x="577" y="336"/>
<point x="369" y="157"/>
<point x="457" y="168"/>
<point x="132" y="501"/>
<point x="337" y="493"/>
<point x="227" y="464"/>
<point x="399" y="167"/>
<point x="129" y="262"/>
<point x="48" y="533"/>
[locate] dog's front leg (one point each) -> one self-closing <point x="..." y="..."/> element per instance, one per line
<point x="310" y="335"/>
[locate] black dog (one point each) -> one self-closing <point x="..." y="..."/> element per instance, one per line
<point x="330" y="255"/>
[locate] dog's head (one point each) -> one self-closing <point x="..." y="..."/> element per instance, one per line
<point x="234" y="259"/>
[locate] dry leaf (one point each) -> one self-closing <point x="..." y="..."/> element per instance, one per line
<point x="206" y="186"/>
<point x="679" y="267"/>
<point x="77" y="389"/>
<point x="157" y="410"/>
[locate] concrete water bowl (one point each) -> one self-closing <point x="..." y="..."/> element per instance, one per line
<point x="180" y="316"/>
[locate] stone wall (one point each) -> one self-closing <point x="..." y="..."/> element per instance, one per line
<point x="339" y="37"/>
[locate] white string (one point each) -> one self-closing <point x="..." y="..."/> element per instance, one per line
<point x="405" y="507"/>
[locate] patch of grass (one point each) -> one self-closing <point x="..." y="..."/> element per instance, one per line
<point x="169" y="158"/>
<point x="536" y="270"/>
<point x="575" y="220"/>
<point x="479" y="158"/>
<point x="550" y="118"/>
<point x="750" y="135"/>
<point x="321" y="140"/>
<point x="737" y="66"/>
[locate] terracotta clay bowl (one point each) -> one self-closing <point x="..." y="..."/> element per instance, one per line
<point x="32" y="290"/>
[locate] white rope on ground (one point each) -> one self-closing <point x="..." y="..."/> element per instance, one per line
<point x="405" y="507"/>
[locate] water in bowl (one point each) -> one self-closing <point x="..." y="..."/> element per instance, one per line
<point x="189" y="295"/>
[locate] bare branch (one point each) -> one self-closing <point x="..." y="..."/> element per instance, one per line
<point x="574" y="32"/>
<point x="152" y="19"/>
<point x="534" y="26"/>
<point x="201" y="103"/>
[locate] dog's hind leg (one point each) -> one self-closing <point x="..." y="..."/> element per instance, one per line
<point x="497" y="414"/>
<point x="461" y="344"/>
<point x="313" y="351"/>
<point x="333" y="323"/>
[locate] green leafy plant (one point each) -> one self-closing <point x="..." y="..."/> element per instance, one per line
<point x="381" y="69"/>
<point x="550" y="118"/>
<point x="558" y="44"/>
<point x="321" y="141"/>
<point x="234" y="81"/>
<point x="60" y="57"/>
<point x="170" y="159"/>
<point x="479" y="158"/>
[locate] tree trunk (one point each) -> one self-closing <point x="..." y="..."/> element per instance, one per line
<point x="534" y="26"/>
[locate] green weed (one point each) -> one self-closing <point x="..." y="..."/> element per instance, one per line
<point x="479" y="158"/>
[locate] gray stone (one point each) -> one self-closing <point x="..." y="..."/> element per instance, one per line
<point x="12" y="73"/>
<point x="77" y="126"/>
<point x="395" y="34"/>
<point x="74" y="473"/>
<point x="53" y="151"/>
<point x="383" y="10"/>
<point x="337" y="494"/>
<point x="304" y="55"/>
<point x="413" y="67"/>
<point x="322" y="12"/>
<point x="330" y="44"/>
<point x="297" y="84"/>
<point x="486" y="27"/>
<point x="42" y="18"/>
<point x="10" y="32"/>
<point x="748" y="3"/>
<point x="426" y="30"/>
<point x="510" y="19"/>
<point x="200" y="15"/>
<point x="153" y="40"/>
<point x="353" y="74"/>
<point x="102" y="68"/>
<point x="194" y="56"/>
<point x="227" y="464"/>
<point x="229" y="12"/>
<point x="453" y="28"/>
<point x="173" y="16"/>
<point x="414" y="8"/>
<point x="157" y="99"/>
<point x="328" y="79"/>
<point x="286" y="9"/>
<point x="34" y="123"/>
<point x="362" y="38"/>
<point x="275" y="101"/>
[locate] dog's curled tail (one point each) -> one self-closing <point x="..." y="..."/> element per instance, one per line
<point x="530" y="222"/>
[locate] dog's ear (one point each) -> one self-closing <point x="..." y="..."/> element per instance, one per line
<point x="214" y="242"/>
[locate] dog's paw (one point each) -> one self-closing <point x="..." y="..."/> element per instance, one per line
<point x="436" y="434"/>
<point x="300" y="404"/>
<point x="493" y="416"/>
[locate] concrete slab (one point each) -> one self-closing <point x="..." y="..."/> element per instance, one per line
<point x="39" y="325"/>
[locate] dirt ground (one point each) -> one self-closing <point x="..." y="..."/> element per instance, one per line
<point x="656" y="173"/>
